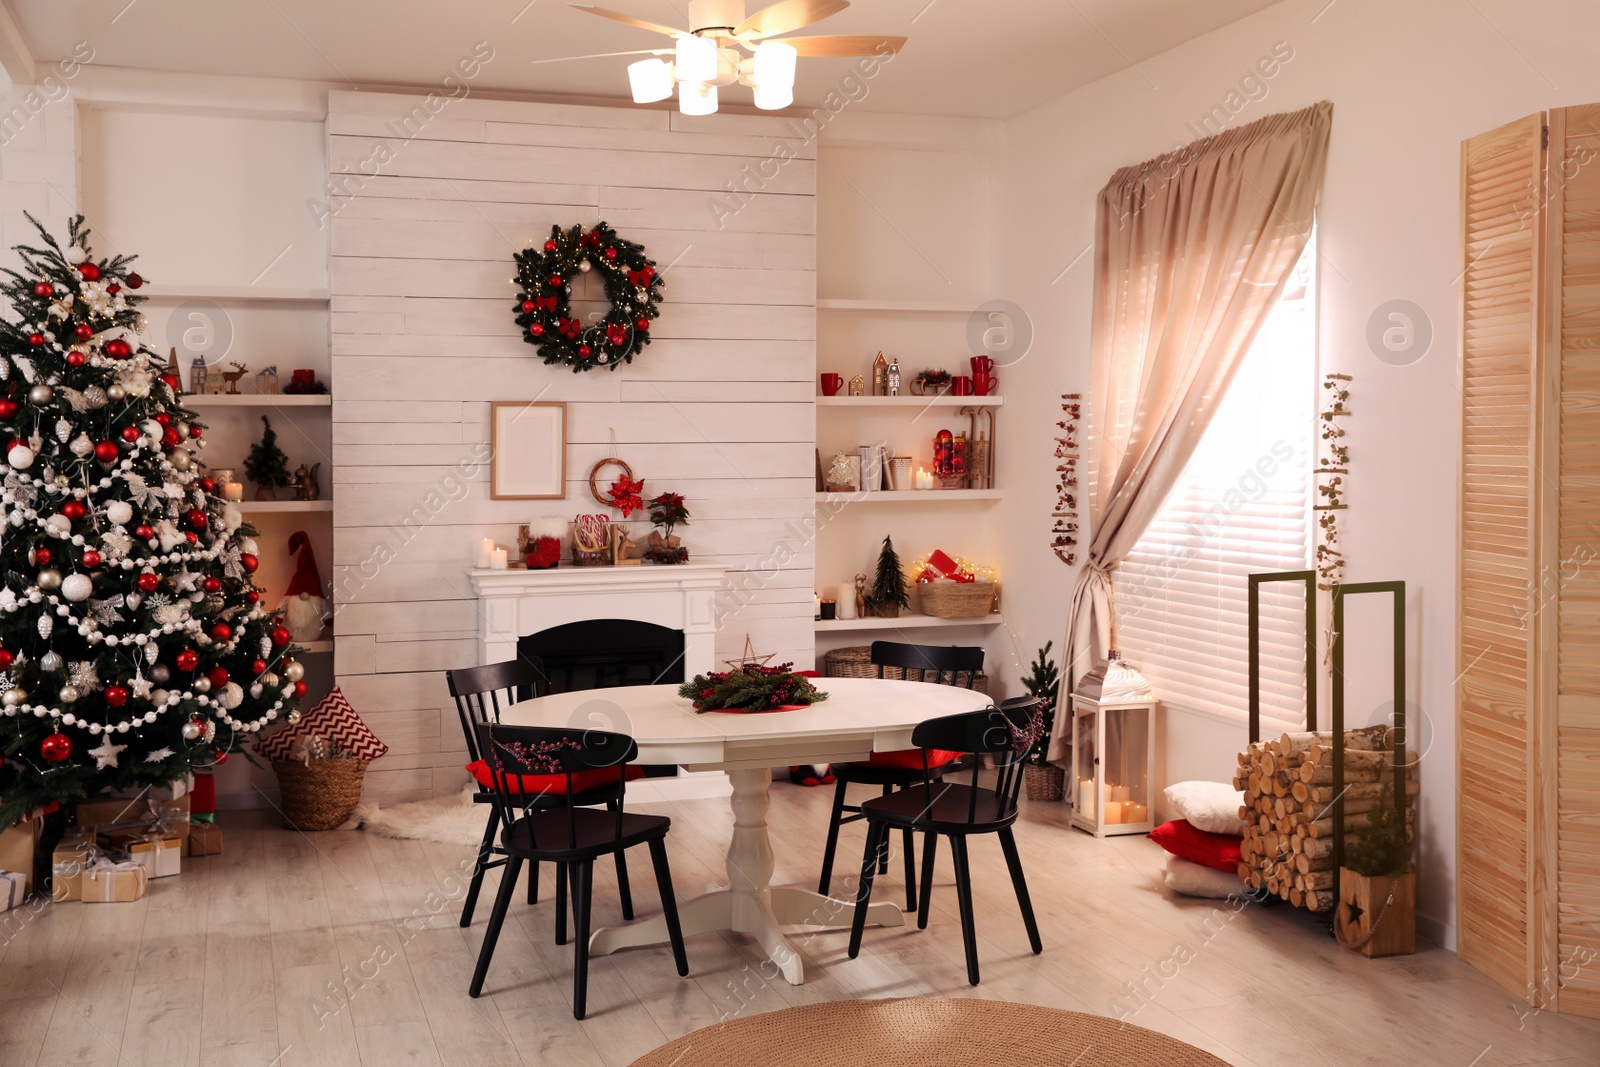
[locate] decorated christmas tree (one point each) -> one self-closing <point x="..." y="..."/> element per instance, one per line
<point x="134" y="647"/>
<point x="266" y="465"/>
<point x="888" y="592"/>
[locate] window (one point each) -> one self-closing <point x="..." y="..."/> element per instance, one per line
<point x="1243" y="505"/>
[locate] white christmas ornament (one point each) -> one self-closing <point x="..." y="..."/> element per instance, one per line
<point x="76" y="587"/>
<point x="106" y="755"/>
<point x="119" y="512"/>
<point x="20" y="457"/>
<point x="81" y="445"/>
<point x="232" y="696"/>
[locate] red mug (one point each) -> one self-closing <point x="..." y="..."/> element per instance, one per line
<point x="983" y="385"/>
<point x="961" y="385"/>
<point x="830" y="384"/>
<point x="982" y="366"/>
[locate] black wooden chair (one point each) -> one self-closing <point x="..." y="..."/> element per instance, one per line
<point x="958" y="812"/>
<point x="481" y="693"/>
<point x="571" y="836"/>
<point x="943" y="664"/>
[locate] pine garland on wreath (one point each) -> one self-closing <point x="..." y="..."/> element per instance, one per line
<point x="134" y="646"/>
<point x="544" y="307"/>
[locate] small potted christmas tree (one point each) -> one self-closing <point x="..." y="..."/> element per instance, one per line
<point x="1043" y="779"/>
<point x="1377" y="910"/>
<point x="888" y="592"/>
<point x="266" y="465"/>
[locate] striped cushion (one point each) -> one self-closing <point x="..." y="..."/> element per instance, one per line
<point x="333" y="718"/>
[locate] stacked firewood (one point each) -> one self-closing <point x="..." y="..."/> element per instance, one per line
<point x="1288" y="808"/>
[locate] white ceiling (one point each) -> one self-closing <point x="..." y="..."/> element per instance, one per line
<point x="983" y="58"/>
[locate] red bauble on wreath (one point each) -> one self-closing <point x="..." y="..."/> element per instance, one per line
<point x="543" y="306"/>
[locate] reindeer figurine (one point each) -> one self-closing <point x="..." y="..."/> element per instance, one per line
<point x="232" y="377"/>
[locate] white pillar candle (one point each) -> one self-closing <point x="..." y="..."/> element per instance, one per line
<point x="846" y="597"/>
<point x="233" y="491"/>
<point x="1113" y="812"/>
<point x="1119" y="792"/>
<point x="499" y="559"/>
<point x="483" y="553"/>
<point x="1133" y="812"/>
<point x="1086" y="795"/>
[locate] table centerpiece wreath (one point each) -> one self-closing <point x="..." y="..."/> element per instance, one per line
<point x="544" y="303"/>
<point x="751" y="688"/>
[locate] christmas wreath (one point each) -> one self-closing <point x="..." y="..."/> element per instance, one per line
<point x="544" y="307"/>
<point x="751" y="687"/>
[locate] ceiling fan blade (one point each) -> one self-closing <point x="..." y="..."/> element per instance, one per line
<point x="788" y="15"/>
<point x="845" y="46"/>
<point x="604" y="55"/>
<point x="617" y="16"/>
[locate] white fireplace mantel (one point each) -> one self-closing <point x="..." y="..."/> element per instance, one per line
<point x="515" y="603"/>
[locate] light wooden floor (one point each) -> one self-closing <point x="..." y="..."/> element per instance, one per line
<point x="239" y="961"/>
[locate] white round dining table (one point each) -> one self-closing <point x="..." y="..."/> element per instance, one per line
<point x="860" y="716"/>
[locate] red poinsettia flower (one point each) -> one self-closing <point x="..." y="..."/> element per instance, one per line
<point x="626" y="496"/>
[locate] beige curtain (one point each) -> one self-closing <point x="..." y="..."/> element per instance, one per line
<point x="1192" y="250"/>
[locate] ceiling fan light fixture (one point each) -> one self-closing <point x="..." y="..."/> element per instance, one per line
<point x="651" y="80"/>
<point x="697" y="98"/>
<point x="774" y="65"/>
<point x="697" y="59"/>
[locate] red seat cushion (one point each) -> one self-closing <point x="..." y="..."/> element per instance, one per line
<point x="1218" y="851"/>
<point x="552" y="784"/>
<point x="910" y="759"/>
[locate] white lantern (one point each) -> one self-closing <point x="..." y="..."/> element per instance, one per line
<point x="1113" y="751"/>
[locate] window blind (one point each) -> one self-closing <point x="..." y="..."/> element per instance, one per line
<point x="1243" y="505"/>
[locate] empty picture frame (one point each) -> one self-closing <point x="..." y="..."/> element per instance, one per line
<point x="529" y="441"/>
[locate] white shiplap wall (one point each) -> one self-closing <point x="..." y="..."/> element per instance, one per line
<point x="718" y="407"/>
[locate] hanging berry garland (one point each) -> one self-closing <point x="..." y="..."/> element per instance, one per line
<point x="544" y="305"/>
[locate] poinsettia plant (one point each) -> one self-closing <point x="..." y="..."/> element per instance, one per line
<point x="667" y="510"/>
<point x="627" y="495"/>
<point x="751" y="687"/>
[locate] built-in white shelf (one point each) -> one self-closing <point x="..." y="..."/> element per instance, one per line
<point x="256" y="400"/>
<point x="909" y="621"/>
<point x="911" y="401"/>
<point x="264" y="506"/>
<point x="915" y="496"/>
<point x="315" y="647"/>
<point x="920" y="307"/>
<point x="235" y="294"/>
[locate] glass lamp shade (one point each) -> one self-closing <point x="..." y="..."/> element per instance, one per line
<point x="697" y="59"/>
<point x="697" y="98"/>
<point x="773" y="99"/>
<point x="775" y="65"/>
<point x="651" y="80"/>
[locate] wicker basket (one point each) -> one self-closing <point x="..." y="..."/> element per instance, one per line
<point x="856" y="662"/>
<point x="321" y="794"/>
<point x="956" y="600"/>
<point x="1043" y="783"/>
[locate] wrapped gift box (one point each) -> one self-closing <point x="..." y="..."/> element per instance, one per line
<point x="13" y="888"/>
<point x="205" y="839"/>
<point x="119" y="814"/>
<point x="161" y="857"/>
<point x="18" y="845"/>
<point x="67" y="865"/>
<point x="114" y="884"/>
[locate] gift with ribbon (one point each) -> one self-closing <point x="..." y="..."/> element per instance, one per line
<point x="13" y="887"/>
<point x="156" y="843"/>
<point x="205" y="839"/>
<point x="67" y="864"/>
<point x="108" y="881"/>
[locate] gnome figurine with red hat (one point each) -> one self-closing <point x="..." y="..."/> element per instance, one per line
<point x="305" y="610"/>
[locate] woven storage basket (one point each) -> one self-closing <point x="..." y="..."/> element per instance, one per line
<point x="1043" y="783"/>
<point x="955" y="600"/>
<point x="856" y="662"/>
<point x="321" y="794"/>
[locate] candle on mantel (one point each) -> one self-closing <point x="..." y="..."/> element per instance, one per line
<point x="483" y="553"/>
<point x="233" y="491"/>
<point x="498" y="559"/>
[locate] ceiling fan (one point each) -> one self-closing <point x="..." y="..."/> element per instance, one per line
<point x="723" y="46"/>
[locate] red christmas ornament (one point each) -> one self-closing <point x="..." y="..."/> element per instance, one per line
<point x="529" y="307"/>
<point x="74" y="510"/>
<point x="76" y="358"/>
<point x="106" y="452"/>
<point x="43" y="289"/>
<point x="222" y="757"/>
<point x="91" y="558"/>
<point x="584" y="351"/>
<point x="36" y="339"/>
<point x="84" y="331"/>
<point x="258" y="666"/>
<point x="212" y="585"/>
<point x="148" y="582"/>
<point x="550" y="246"/>
<point x="537" y="329"/>
<point x="555" y="281"/>
<point x="6" y="659"/>
<point x="163" y="418"/>
<point x="42" y="556"/>
<point x="208" y="485"/>
<point x="280" y="635"/>
<point x="642" y="324"/>
<point x="250" y="563"/>
<point x="134" y="281"/>
<point x="56" y="747"/>
<point x="194" y="427"/>
<point x="116" y="695"/>
<point x="8" y="408"/>
<point x="143" y="532"/>
<point x="188" y="660"/>
<point x="611" y="253"/>
<point x="218" y="677"/>
<point x="117" y="348"/>
<point x="300" y="689"/>
<point x="197" y="519"/>
<point x="90" y="272"/>
<point x="252" y="597"/>
<point x="221" y="632"/>
<point x="113" y="288"/>
<point x="130" y="434"/>
<point x="169" y="437"/>
<point x="172" y="381"/>
<point x="192" y="537"/>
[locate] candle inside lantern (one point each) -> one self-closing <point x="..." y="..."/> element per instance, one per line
<point x="1086" y="794"/>
<point x="1134" y="812"/>
<point x="1119" y="792"/>
<point x="1113" y="813"/>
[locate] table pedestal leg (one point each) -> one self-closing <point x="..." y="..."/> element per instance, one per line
<point x="750" y="905"/>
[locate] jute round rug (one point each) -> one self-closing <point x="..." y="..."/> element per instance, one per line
<point x="926" y="1032"/>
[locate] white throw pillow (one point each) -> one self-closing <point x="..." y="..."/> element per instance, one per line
<point x="1209" y="806"/>
<point x="1196" y="880"/>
